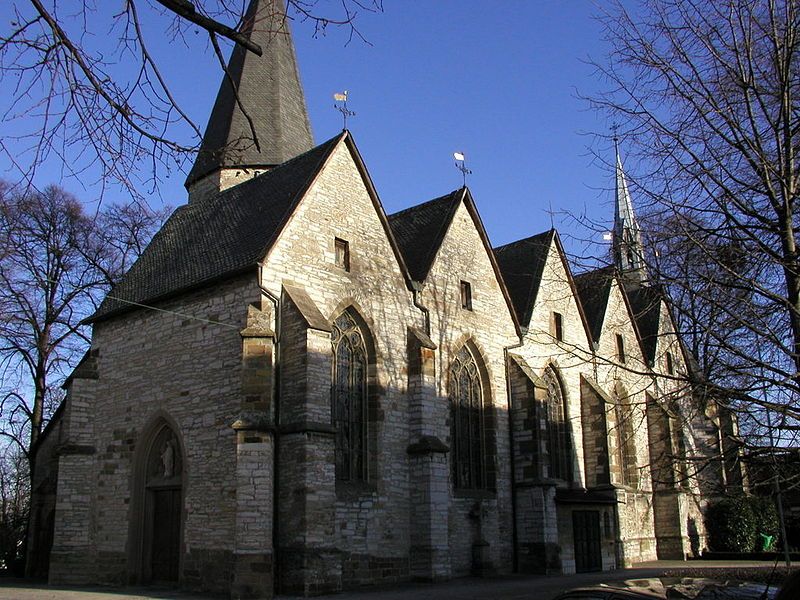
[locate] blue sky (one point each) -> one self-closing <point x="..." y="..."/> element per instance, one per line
<point x="496" y="80"/>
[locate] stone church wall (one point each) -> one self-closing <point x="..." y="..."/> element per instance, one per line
<point x="369" y="527"/>
<point x="191" y="366"/>
<point x="474" y="516"/>
<point x="549" y="526"/>
<point x="635" y="504"/>
<point x="184" y="366"/>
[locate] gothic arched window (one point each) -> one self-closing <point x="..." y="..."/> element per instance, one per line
<point x="558" y="443"/>
<point x="626" y="439"/>
<point x="349" y="398"/>
<point x="466" y="423"/>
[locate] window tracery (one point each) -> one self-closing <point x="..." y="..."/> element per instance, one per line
<point x="349" y="398"/>
<point x="558" y="442"/>
<point x="626" y="439"/>
<point x="467" y="423"/>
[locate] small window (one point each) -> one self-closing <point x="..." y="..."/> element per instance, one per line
<point x="466" y="295"/>
<point x="342" y="254"/>
<point x="670" y="364"/>
<point x="558" y="326"/>
<point x="620" y="348"/>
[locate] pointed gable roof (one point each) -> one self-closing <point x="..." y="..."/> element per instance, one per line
<point x="522" y="264"/>
<point x="593" y="289"/>
<point x="269" y="90"/>
<point x="646" y="306"/>
<point x="228" y="234"/>
<point x="419" y="231"/>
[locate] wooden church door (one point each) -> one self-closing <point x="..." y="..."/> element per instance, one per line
<point x="586" y="532"/>
<point x="163" y="511"/>
<point x="165" y="553"/>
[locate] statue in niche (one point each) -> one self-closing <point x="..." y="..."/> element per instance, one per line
<point x="168" y="457"/>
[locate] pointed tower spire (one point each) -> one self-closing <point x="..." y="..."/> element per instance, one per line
<point x="270" y="93"/>
<point x="626" y="235"/>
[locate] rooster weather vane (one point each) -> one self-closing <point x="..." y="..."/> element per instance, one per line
<point x="340" y="104"/>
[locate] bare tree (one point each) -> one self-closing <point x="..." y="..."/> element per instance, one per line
<point x="14" y="507"/>
<point x="56" y="262"/>
<point x="83" y="87"/>
<point x="706" y="94"/>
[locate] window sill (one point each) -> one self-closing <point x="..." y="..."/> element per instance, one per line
<point x="349" y="491"/>
<point x="475" y="494"/>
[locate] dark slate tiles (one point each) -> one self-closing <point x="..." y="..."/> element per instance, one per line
<point x="219" y="237"/>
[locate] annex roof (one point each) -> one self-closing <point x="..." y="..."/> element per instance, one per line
<point x="419" y="231"/>
<point x="228" y="233"/>
<point x="522" y="264"/>
<point x="593" y="289"/>
<point x="646" y="306"/>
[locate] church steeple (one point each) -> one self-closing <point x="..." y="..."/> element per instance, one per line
<point x="269" y="90"/>
<point x="626" y="235"/>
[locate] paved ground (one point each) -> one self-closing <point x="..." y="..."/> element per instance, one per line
<point x="516" y="587"/>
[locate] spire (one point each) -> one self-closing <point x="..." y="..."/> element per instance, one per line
<point x="270" y="92"/>
<point x="626" y="235"/>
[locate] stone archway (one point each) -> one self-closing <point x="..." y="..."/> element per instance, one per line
<point x="160" y="508"/>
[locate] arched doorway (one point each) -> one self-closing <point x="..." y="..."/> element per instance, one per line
<point x="161" y="497"/>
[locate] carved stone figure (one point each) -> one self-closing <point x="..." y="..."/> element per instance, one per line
<point x="168" y="458"/>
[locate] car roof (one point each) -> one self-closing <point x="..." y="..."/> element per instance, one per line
<point x="672" y="587"/>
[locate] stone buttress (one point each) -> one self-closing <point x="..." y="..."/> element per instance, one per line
<point x="253" y="554"/>
<point x="429" y="465"/>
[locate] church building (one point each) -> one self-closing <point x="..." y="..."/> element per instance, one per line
<point x="292" y="392"/>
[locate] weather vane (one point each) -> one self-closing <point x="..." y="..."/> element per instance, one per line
<point x="341" y="106"/>
<point x="461" y="166"/>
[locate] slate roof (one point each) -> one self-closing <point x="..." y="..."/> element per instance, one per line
<point x="219" y="237"/>
<point x="270" y="92"/>
<point x="522" y="264"/>
<point x="646" y="305"/>
<point x="419" y="231"/>
<point x="593" y="290"/>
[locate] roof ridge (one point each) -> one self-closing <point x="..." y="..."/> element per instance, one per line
<point x="303" y="189"/>
<point x="443" y="227"/>
<point x="426" y="203"/>
<point x="598" y="271"/>
<point x="543" y="234"/>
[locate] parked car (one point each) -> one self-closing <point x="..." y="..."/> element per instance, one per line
<point x="672" y="588"/>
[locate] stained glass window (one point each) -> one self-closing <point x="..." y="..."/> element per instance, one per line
<point x="349" y="396"/>
<point x="466" y="423"/>
<point x="626" y="439"/>
<point x="558" y="442"/>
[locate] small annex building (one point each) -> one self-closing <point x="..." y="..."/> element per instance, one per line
<point x="293" y="392"/>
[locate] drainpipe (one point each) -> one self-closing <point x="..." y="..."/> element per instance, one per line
<point x="416" y="288"/>
<point x="276" y="436"/>
<point x="514" y="552"/>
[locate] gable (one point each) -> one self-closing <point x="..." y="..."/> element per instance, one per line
<point x="340" y="206"/>
<point x="556" y="294"/>
<point x="464" y="255"/>
<point x="618" y="320"/>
